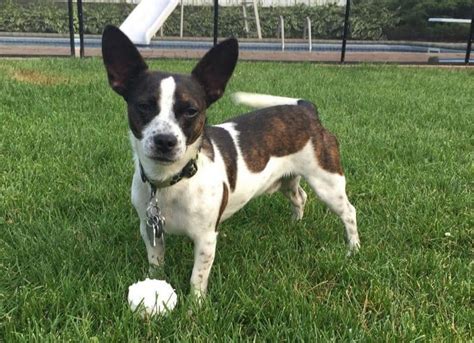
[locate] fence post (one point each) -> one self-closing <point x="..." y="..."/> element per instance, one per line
<point x="80" y="16"/>
<point x="181" y="20"/>
<point x="469" y="42"/>
<point x="346" y="29"/>
<point x="70" y="11"/>
<point x="216" y="20"/>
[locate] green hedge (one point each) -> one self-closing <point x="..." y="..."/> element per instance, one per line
<point x="370" y="19"/>
<point x="327" y="20"/>
<point x="414" y="15"/>
<point x="48" y="17"/>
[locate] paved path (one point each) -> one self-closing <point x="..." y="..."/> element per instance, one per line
<point x="294" y="56"/>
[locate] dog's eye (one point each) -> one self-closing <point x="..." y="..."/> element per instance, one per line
<point x="190" y="112"/>
<point x="146" y="107"/>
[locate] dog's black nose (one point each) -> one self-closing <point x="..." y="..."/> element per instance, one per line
<point x="165" y="143"/>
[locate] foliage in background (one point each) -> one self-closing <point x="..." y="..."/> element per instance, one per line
<point x="40" y="17"/>
<point x="370" y="19"/>
<point x="414" y="15"/>
<point x="327" y="21"/>
<point x="198" y="20"/>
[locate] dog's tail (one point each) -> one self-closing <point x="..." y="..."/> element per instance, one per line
<point x="263" y="100"/>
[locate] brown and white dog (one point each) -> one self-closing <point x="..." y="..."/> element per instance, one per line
<point x="199" y="175"/>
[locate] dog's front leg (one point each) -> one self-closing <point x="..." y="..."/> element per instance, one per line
<point x="204" y="252"/>
<point x="156" y="254"/>
<point x="141" y="193"/>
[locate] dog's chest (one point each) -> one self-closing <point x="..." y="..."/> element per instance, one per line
<point x="191" y="205"/>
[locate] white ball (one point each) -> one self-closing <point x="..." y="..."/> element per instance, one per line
<point x="151" y="297"/>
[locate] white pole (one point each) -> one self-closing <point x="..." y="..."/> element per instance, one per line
<point x="282" y="28"/>
<point x="310" y="39"/>
<point x="449" y="20"/>
<point x="257" y="19"/>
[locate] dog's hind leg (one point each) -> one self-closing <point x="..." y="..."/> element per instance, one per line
<point x="331" y="189"/>
<point x="290" y="187"/>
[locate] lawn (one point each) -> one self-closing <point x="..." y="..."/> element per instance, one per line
<point x="70" y="244"/>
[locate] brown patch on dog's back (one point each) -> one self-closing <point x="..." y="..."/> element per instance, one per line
<point x="284" y="130"/>
<point x="276" y="131"/>
<point x="225" y="199"/>
<point x="224" y="142"/>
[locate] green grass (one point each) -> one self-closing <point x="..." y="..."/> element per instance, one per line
<point x="70" y="245"/>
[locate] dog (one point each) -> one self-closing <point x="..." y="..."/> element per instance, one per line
<point x="189" y="177"/>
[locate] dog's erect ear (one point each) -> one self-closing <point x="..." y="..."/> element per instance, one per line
<point x="121" y="58"/>
<point x="215" y="69"/>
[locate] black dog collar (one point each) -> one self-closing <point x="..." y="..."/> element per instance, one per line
<point x="188" y="171"/>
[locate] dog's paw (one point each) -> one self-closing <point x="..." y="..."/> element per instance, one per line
<point x="298" y="210"/>
<point x="297" y="214"/>
<point x="354" y="247"/>
<point x="156" y="272"/>
<point x="197" y="296"/>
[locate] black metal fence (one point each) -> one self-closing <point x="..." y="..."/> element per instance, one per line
<point x="360" y="31"/>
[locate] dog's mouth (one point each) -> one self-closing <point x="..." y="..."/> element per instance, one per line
<point x="162" y="159"/>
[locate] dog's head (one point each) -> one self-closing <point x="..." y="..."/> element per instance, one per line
<point x="166" y="112"/>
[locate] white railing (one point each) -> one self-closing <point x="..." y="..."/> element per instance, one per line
<point x="266" y="3"/>
<point x="281" y="28"/>
<point x="261" y="3"/>
<point x="307" y="32"/>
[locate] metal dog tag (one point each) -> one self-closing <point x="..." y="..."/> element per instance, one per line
<point x="155" y="222"/>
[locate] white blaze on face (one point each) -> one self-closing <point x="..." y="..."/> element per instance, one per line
<point x="165" y="122"/>
<point x="167" y="89"/>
